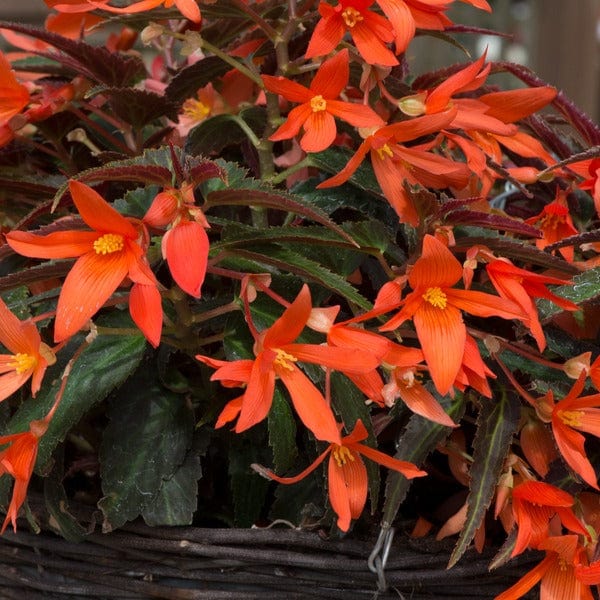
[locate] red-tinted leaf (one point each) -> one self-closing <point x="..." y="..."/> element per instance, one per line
<point x="97" y="63"/>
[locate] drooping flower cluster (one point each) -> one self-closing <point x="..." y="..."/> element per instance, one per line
<point x="326" y="253"/>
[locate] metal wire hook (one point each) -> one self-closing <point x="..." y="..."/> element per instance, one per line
<point x="379" y="556"/>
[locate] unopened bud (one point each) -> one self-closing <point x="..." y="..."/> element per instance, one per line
<point x="151" y="32"/>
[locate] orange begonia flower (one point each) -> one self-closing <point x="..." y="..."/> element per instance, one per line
<point x="555" y="223"/>
<point x="319" y="105"/>
<point x="188" y="8"/>
<point x="14" y="96"/>
<point x="18" y="461"/>
<point x="29" y="357"/>
<point x="522" y="286"/>
<point x="347" y="474"/>
<point x="534" y="504"/>
<point x="408" y="15"/>
<point x="568" y="417"/>
<point x="560" y="573"/>
<point x="185" y="245"/>
<point x="435" y="308"/>
<point x="369" y="31"/>
<point x="395" y="164"/>
<point x="112" y="251"/>
<point x="276" y="357"/>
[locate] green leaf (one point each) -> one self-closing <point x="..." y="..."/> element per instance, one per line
<point x="586" y="287"/>
<point x="57" y="504"/>
<point x="416" y="443"/>
<point x="497" y="422"/>
<point x="248" y="489"/>
<point x="274" y="200"/>
<point x="177" y="498"/>
<point x="286" y="260"/>
<point x="143" y="446"/>
<point x="282" y="433"/>
<point x="101" y="368"/>
<point x="186" y="82"/>
<point x="216" y="133"/>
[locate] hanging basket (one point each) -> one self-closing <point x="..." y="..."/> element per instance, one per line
<point x="179" y="563"/>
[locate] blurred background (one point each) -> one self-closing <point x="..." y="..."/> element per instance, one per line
<point x="559" y="40"/>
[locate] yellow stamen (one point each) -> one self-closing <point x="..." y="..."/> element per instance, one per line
<point x="435" y="297"/>
<point x="352" y="16"/>
<point x="283" y="359"/>
<point x="195" y="109"/>
<point x="109" y="243"/>
<point x="385" y="152"/>
<point x="318" y="103"/>
<point x="571" y="418"/>
<point x="342" y="455"/>
<point x="23" y="362"/>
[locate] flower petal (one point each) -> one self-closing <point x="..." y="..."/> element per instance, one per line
<point x="97" y="213"/>
<point x="442" y="334"/>
<point x="91" y="281"/>
<point x="60" y="244"/>
<point x="187" y="254"/>
<point x="145" y="307"/>
<point x="312" y="408"/>
<point x="291" y="323"/>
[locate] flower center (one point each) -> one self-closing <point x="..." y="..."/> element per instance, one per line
<point x="435" y="297"/>
<point x="342" y="455"/>
<point x="318" y="103"/>
<point x="351" y="16"/>
<point x="385" y="152"/>
<point x="571" y="418"/>
<point x="284" y="360"/>
<point x="109" y="243"/>
<point x="23" y="362"/>
<point x="195" y="109"/>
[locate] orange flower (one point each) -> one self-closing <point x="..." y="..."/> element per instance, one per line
<point x="395" y="164"/>
<point x="435" y="308"/>
<point x="591" y="169"/>
<point x="534" y="504"/>
<point x="347" y="474"/>
<point x="112" y="251"/>
<point x="30" y="356"/>
<point x="369" y="31"/>
<point x="18" y="460"/>
<point x="569" y="416"/>
<point x="408" y="15"/>
<point x="185" y="245"/>
<point x="188" y="8"/>
<point x="560" y="572"/>
<point x="14" y="96"/>
<point x="276" y="357"/>
<point x="522" y="286"/>
<point x="319" y="105"/>
<point x="555" y="223"/>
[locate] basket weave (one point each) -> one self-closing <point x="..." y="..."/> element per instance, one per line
<point x="237" y="564"/>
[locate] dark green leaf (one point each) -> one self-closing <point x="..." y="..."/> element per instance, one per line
<point x="248" y="489"/>
<point x="101" y="368"/>
<point x="282" y="433"/>
<point x="216" y="133"/>
<point x="144" y="445"/>
<point x="497" y="422"/>
<point x="186" y="83"/>
<point x="177" y="498"/>
<point x="292" y="262"/>
<point x="416" y="443"/>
